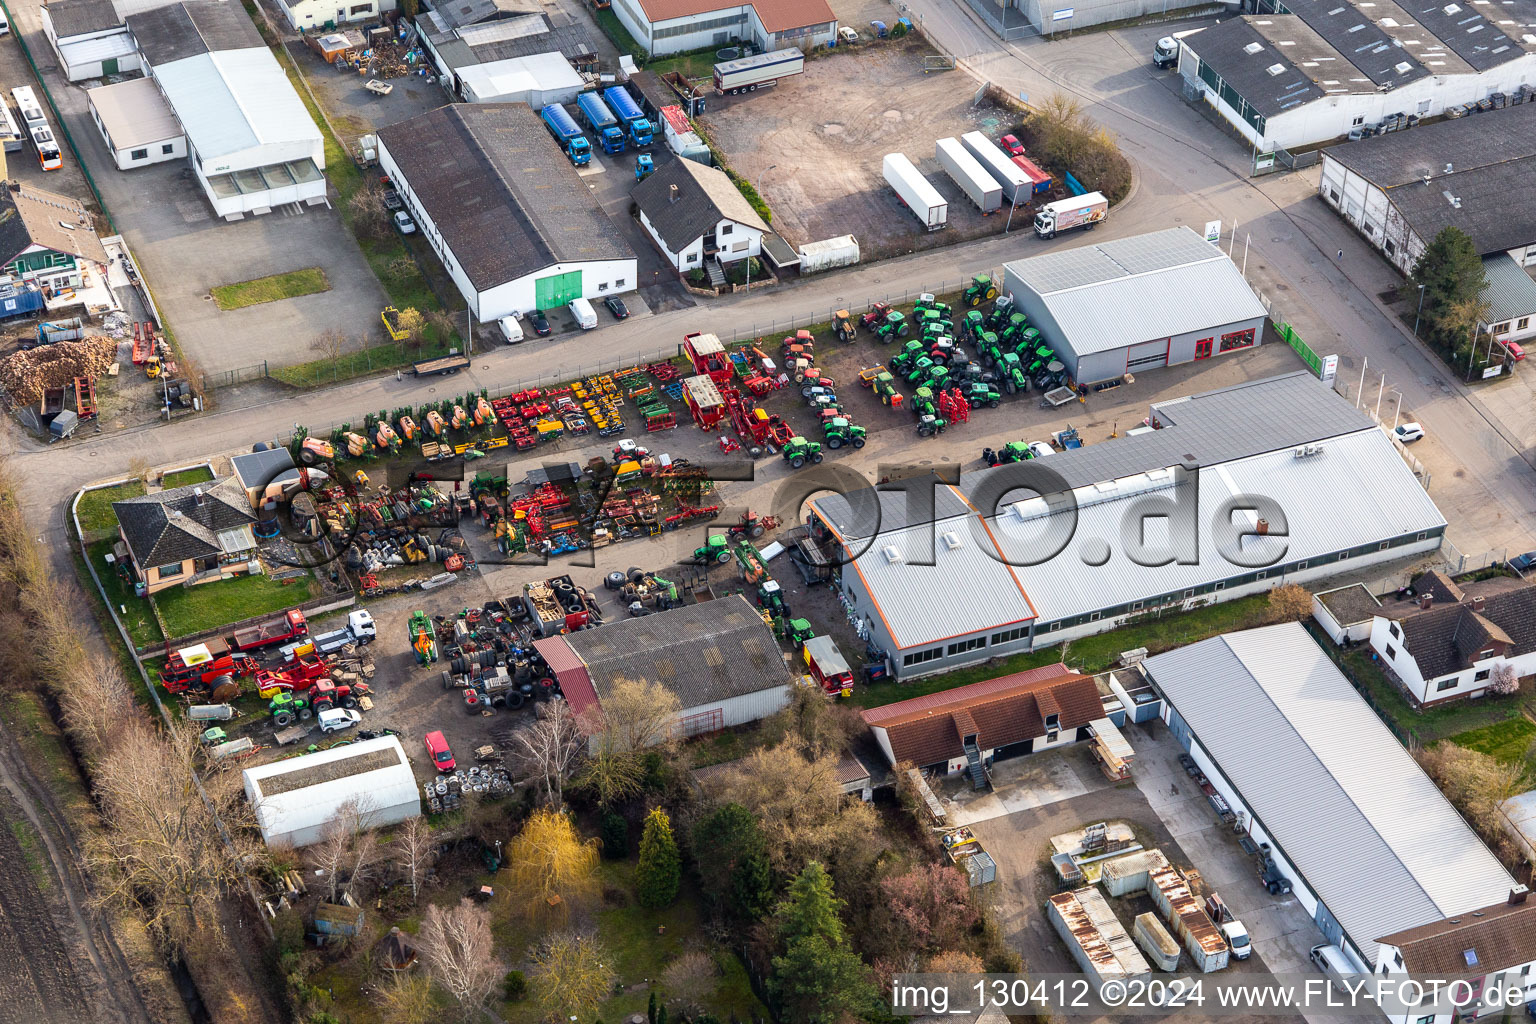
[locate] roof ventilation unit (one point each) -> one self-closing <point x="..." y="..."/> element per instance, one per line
<point x="1275" y="69"/>
<point x="952" y="541"/>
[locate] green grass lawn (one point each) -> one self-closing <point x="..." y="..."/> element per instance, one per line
<point x="138" y="618"/>
<point x="1507" y="740"/>
<point x="1436" y="723"/>
<point x="182" y="477"/>
<point x="95" y="508"/>
<point x="208" y="605"/>
<point x="880" y="694"/>
<point x="1097" y="653"/>
<point x="271" y="288"/>
<point x="691" y="65"/>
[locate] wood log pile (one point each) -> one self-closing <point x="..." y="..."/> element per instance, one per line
<point x="25" y="375"/>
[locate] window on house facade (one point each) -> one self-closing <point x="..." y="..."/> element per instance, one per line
<point x="962" y="646"/>
<point x="1484" y="654"/>
<point x="1522" y="323"/>
<point x="1391" y="651"/>
<point x="1391" y="246"/>
<point x="919" y="657"/>
<point x="1446" y="684"/>
<point x="1095" y="617"/>
<point x="138" y="154"/>
<point x="725" y="229"/>
<point x="693" y="257"/>
<point x="1424" y="1020"/>
<point x="1481" y="674"/>
<point x="361" y="9"/>
<point x="1008" y="636"/>
<point x="603" y="286"/>
<point x="165" y="572"/>
<point x="619" y="283"/>
<point x="1397" y="634"/>
<point x="1358" y="121"/>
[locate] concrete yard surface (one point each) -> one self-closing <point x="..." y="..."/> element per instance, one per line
<point x="813" y="145"/>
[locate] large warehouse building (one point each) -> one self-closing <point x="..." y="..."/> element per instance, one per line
<point x="249" y="138"/>
<point x="1400" y="190"/>
<point x="295" y="799"/>
<point x="1371" y="846"/>
<point x="1134" y="304"/>
<point x="719" y="658"/>
<point x="1319" y="488"/>
<point x="1306" y="71"/>
<point x="506" y="212"/>
<point x="676" y="26"/>
<point x="485" y="42"/>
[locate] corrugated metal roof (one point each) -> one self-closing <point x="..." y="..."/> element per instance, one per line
<point x="303" y="808"/>
<point x="1355" y="494"/>
<point x="1132" y="290"/>
<point x="542" y="72"/>
<point x="234" y="100"/>
<point x="1510" y="293"/>
<point x="1344" y="802"/>
<point x="135" y="114"/>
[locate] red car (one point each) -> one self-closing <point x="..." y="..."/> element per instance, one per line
<point x="1516" y="352"/>
<point x="437" y="750"/>
<point x="1013" y="146"/>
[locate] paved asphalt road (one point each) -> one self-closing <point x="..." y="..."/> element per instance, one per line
<point x="1188" y="171"/>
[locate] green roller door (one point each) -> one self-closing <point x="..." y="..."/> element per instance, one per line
<point x="557" y="289"/>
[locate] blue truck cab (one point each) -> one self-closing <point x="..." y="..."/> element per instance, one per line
<point x="641" y="133"/>
<point x="602" y="122"/>
<point x="563" y="127"/>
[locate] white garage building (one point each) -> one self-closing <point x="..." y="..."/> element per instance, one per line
<point x="537" y="80"/>
<point x="1135" y="304"/>
<point x="676" y="26"/>
<point x="512" y="221"/>
<point x="250" y="140"/>
<point x="296" y="798"/>
<point x="309" y="15"/>
<point x="136" y="123"/>
<point x="1371" y="845"/>
<point x="90" y="38"/>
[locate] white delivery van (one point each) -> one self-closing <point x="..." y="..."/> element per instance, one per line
<point x="5" y="25"/>
<point x="585" y="315"/>
<point x="1332" y="962"/>
<point x="511" y="329"/>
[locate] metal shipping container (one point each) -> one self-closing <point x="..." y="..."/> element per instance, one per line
<point x="1188" y="920"/>
<point x="1016" y="184"/>
<point x="1131" y="873"/>
<point x="841" y="251"/>
<point x="916" y="191"/>
<point x="1094" y="936"/>
<point x="966" y="172"/>
<point x="1161" y="949"/>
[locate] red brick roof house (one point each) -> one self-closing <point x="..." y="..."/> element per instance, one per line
<point x="999" y="718"/>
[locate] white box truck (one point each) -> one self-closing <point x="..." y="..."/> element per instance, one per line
<point x="966" y="171"/>
<point x="916" y="191"/>
<point x="1016" y="184"/>
<point x="1075" y="212"/>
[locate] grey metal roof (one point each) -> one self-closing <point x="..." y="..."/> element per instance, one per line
<point x="504" y="197"/>
<point x="458" y="13"/>
<point x="867" y="512"/>
<point x="705" y="196"/>
<point x="1483" y="208"/>
<point x="1480" y="42"/>
<point x="168" y="34"/>
<point x="1361" y="41"/>
<point x="1340" y="797"/>
<point x="1131" y="290"/>
<point x="704" y="653"/>
<point x="522" y="35"/>
<point x="1242" y="56"/>
<point x="1354" y="495"/>
<point x="259" y="469"/>
<point x="1510" y="292"/>
<point x="80" y="17"/>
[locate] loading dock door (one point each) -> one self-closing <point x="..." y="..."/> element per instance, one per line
<point x="556" y="289"/>
<point x="1147" y="355"/>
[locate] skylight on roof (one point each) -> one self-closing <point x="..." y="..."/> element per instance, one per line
<point x="1275" y="69"/>
<point x="1402" y="68"/>
<point x="1253" y="47"/>
<point x="1389" y="22"/>
<point x="1452" y="8"/>
<point x="1470" y="955"/>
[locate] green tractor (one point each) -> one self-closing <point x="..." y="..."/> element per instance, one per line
<point x="715" y="551"/>
<point x="974" y="323"/>
<point x="798" y="631"/>
<point x="885" y="388"/>
<point x="895" y="326"/>
<point x="902" y="361"/>
<point x="1011" y="369"/>
<point x="286" y="709"/>
<point x="988" y="348"/>
<point x="981" y="290"/>
<point x="929" y="425"/>
<point x="770" y="597"/>
<point x="798" y="451"/>
<point x="979" y="393"/>
<point x="1017" y="322"/>
<point x="922" y="402"/>
<point x="1013" y="451"/>
<point x="918" y="371"/>
<point x="840" y="432"/>
<point x="938" y="376"/>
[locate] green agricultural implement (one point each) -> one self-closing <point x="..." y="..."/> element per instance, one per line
<point x="423" y="637"/>
<point x="798" y="451"/>
<point x="981" y="290"/>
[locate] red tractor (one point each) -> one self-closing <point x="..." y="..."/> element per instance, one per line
<point x="208" y="666"/>
<point x="875" y="317"/>
<point x="324" y="695"/>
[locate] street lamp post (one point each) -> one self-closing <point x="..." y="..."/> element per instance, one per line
<point x="1416" y="312"/>
<point x="1399" y="410"/>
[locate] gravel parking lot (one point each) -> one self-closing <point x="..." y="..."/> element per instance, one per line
<point x="813" y="145"/>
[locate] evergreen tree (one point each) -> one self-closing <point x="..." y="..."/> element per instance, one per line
<point x="1451" y="272"/>
<point x="660" y="870"/>
<point x="650" y="1008"/>
<point x="732" y="862"/>
<point x="810" y="908"/>
<point x="615" y="834"/>
<point x="818" y="978"/>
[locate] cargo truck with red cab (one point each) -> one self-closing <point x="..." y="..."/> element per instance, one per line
<point x="285" y="627"/>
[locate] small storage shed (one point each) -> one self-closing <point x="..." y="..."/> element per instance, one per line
<point x="296" y="798"/>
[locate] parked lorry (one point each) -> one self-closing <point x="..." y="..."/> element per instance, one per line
<point x="1074" y="212"/>
<point x="284" y="627"/>
<point x="359" y="630"/>
<point x="916" y="191"/>
<point x="563" y="127"/>
<point x="747" y="74"/>
<point x="826" y="665"/>
<point x="999" y="165"/>
<point x="967" y="172"/>
<point x="1231" y="928"/>
<point x="602" y="122"/>
<point x="641" y="131"/>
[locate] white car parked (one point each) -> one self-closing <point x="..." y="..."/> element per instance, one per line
<point x="1408" y="432"/>
<point x="337" y="719"/>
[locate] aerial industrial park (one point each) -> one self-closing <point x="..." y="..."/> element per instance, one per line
<point x="800" y="511"/>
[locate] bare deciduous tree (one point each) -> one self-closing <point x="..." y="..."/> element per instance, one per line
<point x="1289" y="603"/>
<point x="415" y="850"/>
<point x="369" y="216"/>
<point x="571" y="976"/>
<point x="1477" y="784"/>
<point x="690" y="980"/>
<point x="331" y="344"/>
<point x="347" y="848"/>
<point x="549" y="750"/>
<point x="460" y="955"/>
<point x="406" y="999"/>
<point x="639" y="715"/>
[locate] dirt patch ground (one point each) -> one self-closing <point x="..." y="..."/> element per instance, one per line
<point x="813" y="145"/>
